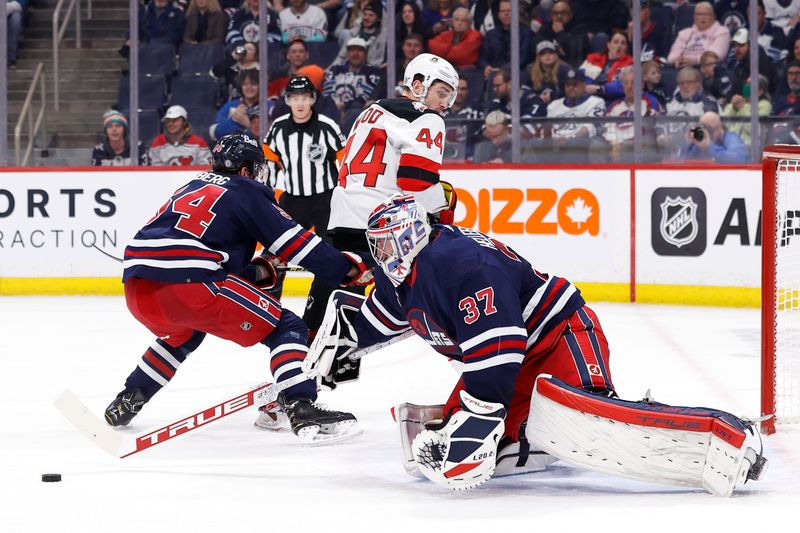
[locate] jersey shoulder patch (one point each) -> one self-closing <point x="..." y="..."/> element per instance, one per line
<point x="403" y="108"/>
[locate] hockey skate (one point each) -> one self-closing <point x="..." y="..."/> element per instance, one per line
<point x="125" y="406"/>
<point x="315" y="425"/>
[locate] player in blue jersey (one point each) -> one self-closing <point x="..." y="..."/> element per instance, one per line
<point x="535" y="367"/>
<point x="190" y="271"/>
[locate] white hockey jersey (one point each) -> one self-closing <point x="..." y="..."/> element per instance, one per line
<point x="393" y="147"/>
<point x="310" y="25"/>
<point x="591" y="106"/>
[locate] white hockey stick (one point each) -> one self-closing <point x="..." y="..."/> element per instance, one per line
<point x="121" y="445"/>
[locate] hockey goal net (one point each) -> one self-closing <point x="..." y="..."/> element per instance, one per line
<point x="780" y="287"/>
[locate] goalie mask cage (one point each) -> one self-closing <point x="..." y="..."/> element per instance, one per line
<point x="780" y="286"/>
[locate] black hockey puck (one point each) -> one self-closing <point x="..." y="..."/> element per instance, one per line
<point x="51" y="478"/>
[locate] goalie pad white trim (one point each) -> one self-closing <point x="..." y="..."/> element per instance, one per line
<point x="657" y="443"/>
<point x="335" y="336"/>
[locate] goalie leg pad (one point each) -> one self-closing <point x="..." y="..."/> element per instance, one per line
<point x="685" y="446"/>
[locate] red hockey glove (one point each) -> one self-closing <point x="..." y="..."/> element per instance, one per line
<point x="359" y="275"/>
<point x="267" y="273"/>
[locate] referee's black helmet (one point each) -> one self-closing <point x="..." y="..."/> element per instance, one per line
<point x="237" y="150"/>
<point x="300" y="85"/>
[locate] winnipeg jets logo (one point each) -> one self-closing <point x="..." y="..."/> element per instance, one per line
<point x="678" y="220"/>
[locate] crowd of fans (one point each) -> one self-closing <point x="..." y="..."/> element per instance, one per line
<point x="576" y="68"/>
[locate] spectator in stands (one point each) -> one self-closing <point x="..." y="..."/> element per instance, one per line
<point x="484" y="15"/>
<point x="161" y="21"/>
<point x="15" y="11"/>
<point x="716" y="81"/>
<point x="254" y="116"/>
<point x="496" y="48"/>
<point x="689" y="101"/>
<point x="651" y="76"/>
<point x="205" y="22"/>
<point x="438" y="15"/>
<point x="232" y="116"/>
<point x="548" y="72"/>
<point x="410" y="21"/>
<point x="461" y="46"/>
<point x="462" y="134"/>
<point x="602" y="68"/>
<point x="574" y="139"/>
<point x="572" y="45"/>
<point x="178" y="146"/>
<point x="352" y="84"/>
<point x="710" y="140"/>
<point x="620" y="135"/>
<point x="655" y="37"/>
<point x="243" y="57"/>
<point x="732" y="13"/>
<point x="783" y="13"/>
<point x="741" y="69"/>
<point x="496" y="148"/>
<point x="115" y="150"/>
<point x="789" y="104"/>
<point x="331" y="9"/>
<point x="412" y="46"/>
<point x="531" y="105"/>
<point x="371" y="31"/>
<point x="303" y="21"/>
<point x="351" y="19"/>
<point x="705" y="34"/>
<point x="771" y="36"/>
<point x="244" y="25"/>
<point x="297" y="56"/>
<point x="740" y="107"/>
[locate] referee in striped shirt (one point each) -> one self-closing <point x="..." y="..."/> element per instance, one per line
<point x="305" y="148"/>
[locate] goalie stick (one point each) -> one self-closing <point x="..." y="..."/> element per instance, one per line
<point x="120" y="445"/>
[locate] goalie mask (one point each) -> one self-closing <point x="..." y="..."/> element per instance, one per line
<point x="397" y="231"/>
<point x="238" y="150"/>
<point x="431" y="68"/>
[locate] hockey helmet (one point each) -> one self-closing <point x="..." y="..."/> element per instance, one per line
<point x="431" y="67"/>
<point x="398" y="229"/>
<point x="300" y="85"/>
<point x="238" y="150"/>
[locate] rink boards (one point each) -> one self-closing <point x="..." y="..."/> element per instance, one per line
<point x="687" y="235"/>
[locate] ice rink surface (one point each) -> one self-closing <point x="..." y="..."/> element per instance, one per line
<point x="232" y="477"/>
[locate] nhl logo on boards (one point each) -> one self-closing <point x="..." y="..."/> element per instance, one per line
<point x="678" y="221"/>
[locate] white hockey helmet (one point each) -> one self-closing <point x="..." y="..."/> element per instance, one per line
<point x="432" y="68"/>
<point x="398" y="229"/>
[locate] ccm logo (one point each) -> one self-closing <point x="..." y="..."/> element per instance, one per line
<point x="530" y="211"/>
<point x="194" y="421"/>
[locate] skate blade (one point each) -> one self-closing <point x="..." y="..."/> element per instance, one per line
<point x="331" y="434"/>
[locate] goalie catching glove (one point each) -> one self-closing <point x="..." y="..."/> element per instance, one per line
<point x="460" y="452"/>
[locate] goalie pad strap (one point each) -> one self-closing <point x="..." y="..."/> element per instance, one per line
<point x="650" y="442"/>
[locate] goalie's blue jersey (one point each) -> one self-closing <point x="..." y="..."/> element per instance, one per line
<point x="475" y="300"/>
<point x="209" y="228"/>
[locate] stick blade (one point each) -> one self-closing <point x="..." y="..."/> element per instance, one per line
<point x="93" y="428"/>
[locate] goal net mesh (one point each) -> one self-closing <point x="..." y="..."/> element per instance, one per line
<point x="787" y="292"/>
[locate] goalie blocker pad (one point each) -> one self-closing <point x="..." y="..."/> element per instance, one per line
<point x="686" y="446"/>
<point x="512" y="458"/>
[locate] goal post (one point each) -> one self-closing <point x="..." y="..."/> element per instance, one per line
<point x="780" y="286"/>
